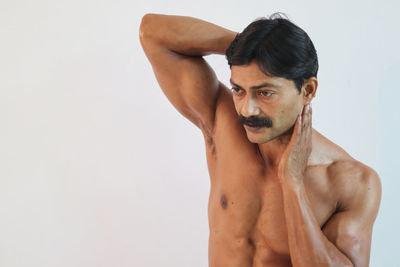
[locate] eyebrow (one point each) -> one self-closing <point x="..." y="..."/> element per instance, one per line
<point x="257" y="86"/>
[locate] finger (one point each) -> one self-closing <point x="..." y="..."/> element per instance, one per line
<point x="308" y="128"/>
<point x="296" y="129"/>
<point x="307" y="118"/>
<point x="299" y="121"/>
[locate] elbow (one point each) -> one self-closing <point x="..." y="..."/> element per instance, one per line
<point x="147" y="27"/>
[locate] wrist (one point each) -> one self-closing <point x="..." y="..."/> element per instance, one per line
<point x="225" y="41"/>
<point x="295" y="182"/>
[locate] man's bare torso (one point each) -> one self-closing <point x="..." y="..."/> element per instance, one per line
<point x="273" y="201"/>
<point x="246" y="214"/>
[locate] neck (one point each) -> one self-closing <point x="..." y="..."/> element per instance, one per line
<point x="272" y="151"/>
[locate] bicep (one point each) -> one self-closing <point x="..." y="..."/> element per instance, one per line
<point x="351" y="237"/>
<point x="351" y="229"/>
<point x="189" y="83"/>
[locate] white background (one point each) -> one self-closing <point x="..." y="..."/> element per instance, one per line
<point x="98" y="169"/>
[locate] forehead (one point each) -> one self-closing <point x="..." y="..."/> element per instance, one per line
<point x="251" y="75"/>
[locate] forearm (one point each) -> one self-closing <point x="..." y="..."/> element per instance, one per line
<point x="185" y="35"/>
<point x="308" y="245"/>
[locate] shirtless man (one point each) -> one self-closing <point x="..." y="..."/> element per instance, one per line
<point x="281" y="193"/>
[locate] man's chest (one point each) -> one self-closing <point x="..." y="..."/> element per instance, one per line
<point x="246" y="203"/>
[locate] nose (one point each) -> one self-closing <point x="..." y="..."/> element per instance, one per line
<point x="251" y="107"/>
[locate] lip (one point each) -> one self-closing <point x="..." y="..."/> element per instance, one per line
<point x="252" y="129"/>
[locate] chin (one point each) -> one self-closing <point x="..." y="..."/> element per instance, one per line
<point x="258" y="141"/>
<point x="254" y="141"/>
<point x="258" y="138"/>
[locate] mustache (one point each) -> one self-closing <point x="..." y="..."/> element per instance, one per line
<point x="255" y="121"/>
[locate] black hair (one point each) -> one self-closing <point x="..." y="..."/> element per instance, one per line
<point x="279" y="47"/>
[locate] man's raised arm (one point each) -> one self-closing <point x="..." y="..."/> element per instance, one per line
<point x="175" y="46"/>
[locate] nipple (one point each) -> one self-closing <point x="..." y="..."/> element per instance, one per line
<point x="224" y="202"/>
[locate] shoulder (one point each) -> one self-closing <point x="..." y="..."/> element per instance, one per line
<point x="358" y="191"/>
<point x="338" y="163"/>
<point x="348" y="179"/>
<point x="351" y="168"/>
<point x="352" y="171"/>
<point x="354" y="183"/>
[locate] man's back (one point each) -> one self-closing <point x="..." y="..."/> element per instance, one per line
<point x="255" y="217"/>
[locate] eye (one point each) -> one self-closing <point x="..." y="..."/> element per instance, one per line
<point x="236" y="91"/>
<point x="265" y="93"/>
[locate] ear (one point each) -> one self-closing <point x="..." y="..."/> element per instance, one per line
<point x="309" y="89"/>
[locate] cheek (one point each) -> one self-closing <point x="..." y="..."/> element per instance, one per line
<point x="235" y="104"/>
<point x="287" y="115"/>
